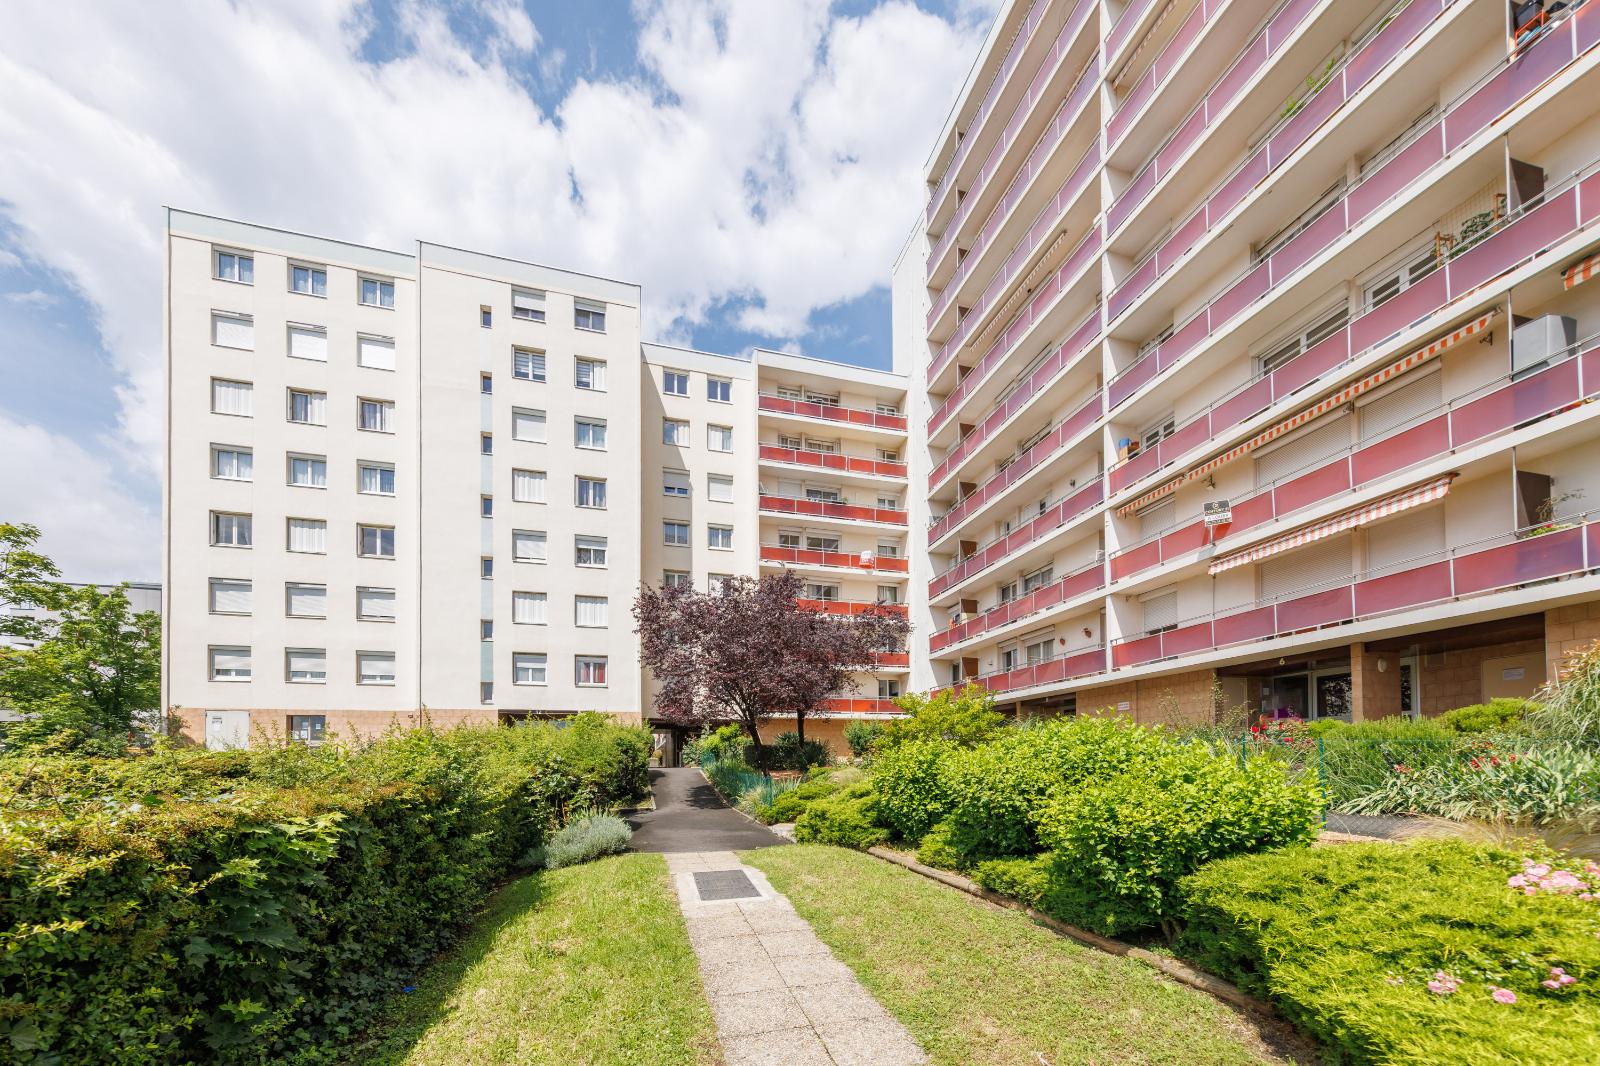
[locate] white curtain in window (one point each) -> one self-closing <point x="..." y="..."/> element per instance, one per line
<point x="233" y="331"/>
<point x="719" y="438"/>
<point x="527" y="425"/>
<point x="307" y="601"/>
<point x="230" y="597"/>
<point x="377" y="479"/>
<point x="306" y="342"/>
<point x="528" y="608"/>
<point x="527" y="486"/>
<point x="375" y="352"/>
<point x="528" y="546"/>
<point x="591" y="611"/>
<point x="308" y="535"/>
<point x="231" y="397"/>
<point x="375" y="603"/>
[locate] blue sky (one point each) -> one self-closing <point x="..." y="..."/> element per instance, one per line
<point x="754" y="164"/>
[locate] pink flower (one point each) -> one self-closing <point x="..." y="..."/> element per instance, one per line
<point x="1516" y="881"/>
<point x="1443" y="984"/>
<point x="1558" y="979"/>
<point x="1502" y="995"/>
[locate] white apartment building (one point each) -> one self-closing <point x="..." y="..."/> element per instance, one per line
<point x="143" y="597"/>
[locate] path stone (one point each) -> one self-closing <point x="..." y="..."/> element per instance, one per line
<point x="779" y="996"/>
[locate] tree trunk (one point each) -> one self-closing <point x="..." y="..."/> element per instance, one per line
<point x="752" y="726"/>
<point x="800" y="726"/>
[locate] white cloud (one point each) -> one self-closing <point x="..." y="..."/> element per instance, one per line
<point x="9" y="260"/>
<point x="31" y="298"/>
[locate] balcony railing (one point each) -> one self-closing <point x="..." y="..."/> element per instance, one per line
<point x="1163" y="65"/>
<point x="892" y="660"/>
<point x="1497" y="408"/>
<point x="1465" y="117"/>
<point x="1505" y="562"/>
<point x="849" y="464"/>
<point x="868" y="561"/>
<point x="854" y="416"/>
<point x="847" y="512"/>
<point x="1568" y="208"/>
<point x="1124" y="25"/>
<point x="859" y="705"/>
<point x="1044" y="672"/>
<point x="1081" y="581"/>
<point x="853" y="607"/>
<point x="1079" y="502"/>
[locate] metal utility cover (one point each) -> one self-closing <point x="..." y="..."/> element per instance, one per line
<point x="724" y="884"/>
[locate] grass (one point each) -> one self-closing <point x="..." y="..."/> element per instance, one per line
<point x="981" y="986"/>
<point x="585" y="965"/>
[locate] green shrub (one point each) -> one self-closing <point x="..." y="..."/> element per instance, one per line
<point x="1501" y="715"/>
<point x="845" y="818"/>
<point x="861" y="735"/>
<point x="1570" y="702"/>
<point x="1026" y="879"/>
<point x="788" y="752"/>
<point x="912" y="780"/>
<point x="935" y="849"/>
<point x="789" y="806"/>
<point x="1487" y="780"/>
<point x="963" y="718"/>
<point x="586" y="839"/>
<point x="1346" y="940"/>
<point x="724" y="742"/>
<point x="1122" y="843"/>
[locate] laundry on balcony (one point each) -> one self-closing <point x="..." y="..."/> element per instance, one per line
<point x="1332" y="403"/>
<point x="1405" y="500"/>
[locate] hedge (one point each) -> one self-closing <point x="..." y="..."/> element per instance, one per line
<point x="254" y="906"/>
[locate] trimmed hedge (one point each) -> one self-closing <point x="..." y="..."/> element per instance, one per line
<point x="913" y="783"/>
<point x="254" y="906"/>
<point x="845" y="818"/>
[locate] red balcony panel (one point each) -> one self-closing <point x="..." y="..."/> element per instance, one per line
<point x="858" y="705"/>
<point x="1134" y="652"/>
<point x="1237" y="187"/>
<point x="1136" y="559"/>
<point x="1050" y="671"/>
<point x="1146" y="462"/>
<point x="1186" y="640"/>
<point x="1309" y="242"/>
<point x="1256" y="624"/>
<point x="1191" y="537"/>
<point x="1249" y="513"/>
<point x="1320" y="484"/>
<point x="1521" y="76"/>
<point x="833" y="413"/>
<point x="1531" y="559"/>
<point x="1240" y="295"/>
<point x="1317" y="609"/>
<point x="1251" y="400"/>
<point x="853" y="607"/>
<point x="1401" y="450"/>
<point x="814" y="557"/>
<point x="832" y="461"/>
<point x="1311" y="364"/>
<point x="1394" y="315"/>
<point x="1191" y="434"/>
<point x="1084" y="663"/>
<point x="829" y="509"/>
<point x="1429" y="583"/>
<point x="1526" y="236"/>
<point x="1396" y="175"/>
<point x="1533" y="397"/>
<point x="893" y="658"/>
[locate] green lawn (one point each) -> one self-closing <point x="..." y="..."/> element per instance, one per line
<point x="586" y="965"/>
<point x="982" y="986"/>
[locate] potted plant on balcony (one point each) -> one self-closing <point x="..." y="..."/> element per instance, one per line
<point x="1546" y="516"/>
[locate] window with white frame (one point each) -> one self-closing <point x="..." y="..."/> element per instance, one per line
<point x="825" y="494"/>
<point x="527" y="364"/>
<point x="589" y="433"/>
<point x="308" y="535"/>
<point x="675" y="431"/>
<point x="529" y="546"/>
<point x="374" y="604"/>
<point x="230" y="530"/>
<point x="234" y="266"/>
<point x="591" y="492"/>
<point x="375" y="292"/>
<point x="375" y="668"/>
<point x="789" y="538"/>
<point x="486" y="567"/>
<point x="377" y="416"/>
<point x="719" y="488"/>
<point x="889" y="503"/>
<point x="308" y="729"/>
<point x="527" y="486"/>
<point x="675" y="483"/>
<point x="375" y="479"/>
<point x="591" y="671"/>
<point x="486" y="629"/>
<point x="486" y="506"/>
<point x="888" y="550"/>
<point x="375" y="542"/>
<point x="719" y="438"/>
<point x="308" y="342"/>
<point x="231" y="464"/>
<point x="375" y="353"/>
<point x="1158" y="431"/>
<point x="676" y="579"/>
<point x="888" y="408"/>
<point x="1325" y="326"/>
<point x="229" y="663"/>
<point x="486" y="691"/>
<point x="230" y="330"/>
<point x="675" y="382"/>
<point x="719" y="537"/>
<point x="308" y="408"/>
<point x="528" y="425"/>
<point x="888" y="594"/>
<point x="308" y="280"/>
<point x="529" y="668"/>
<point x="816" y="590"/>
<point x="230" y="595"/>
<point x="888" y="688"/>
<point x="527" y="305"/>
<point x="675" y="533"/>
<point x="590" y="612"/>
<point x="719" y="390"/>
<point x="306" y="666"/>
<point x="589" y="314"/>
<point x="308" y="471"/>
<point x="232" y="397"/>
<point x="528" y="608"/>
<point x="304" y="600"/>
<point x="1391" y="281"/>
<point x="716" y="582"/>
<point x="485" y="316"/>
<point x="589" y="551"/>
<point x="822" y="542"/>
<point x="589" y="374"/>
<point x="889" y="455"/>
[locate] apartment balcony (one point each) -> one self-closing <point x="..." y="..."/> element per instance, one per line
<point x="1065" y="667"/>
<point x="843" y="512"/>
<point x="854" y="705"/>
<point x="1067" y="590"/>
<point x="980" y="557"/>
<point x="894" y="661"/>
<point x="853" y="607"/>
<point x="815" y="413"/>
<point x="811" y="558"/>
<point x="858" y="466"/>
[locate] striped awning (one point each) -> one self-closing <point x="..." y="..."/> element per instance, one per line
<point x="1334" y="402"/>
<point x="1581" y="271"/>
<point x="1415" y="496"/>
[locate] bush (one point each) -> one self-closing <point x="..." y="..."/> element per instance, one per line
<point x="912" y="780"/>
<point x="936" y="849"/>
<point x="861" y="735"/>
<point x="725" y="742"/>
<point x="588" y="838"/>
<point x="845" y="818"/>
<point x="1121" y="844"/>
<point x="788" y="752"/>
<point x="789" y="806"/>
<point x="1026" y="879"/>
<point x="1347" y="939"/>
<point x="1570" y="709"/>
<point x="964" y="718"/>
<point x="1531" y="783"/>
<point x="1497" y="716"/>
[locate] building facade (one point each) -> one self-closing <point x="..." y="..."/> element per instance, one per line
<point x="1253" y="357"/>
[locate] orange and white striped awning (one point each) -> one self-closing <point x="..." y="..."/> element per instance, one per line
<point x="1334" y="402"/>
<point x="1581" y="271"/>
<point x="1415" y="496"/>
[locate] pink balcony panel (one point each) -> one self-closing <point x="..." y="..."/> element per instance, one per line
<point x="1287" y="21"/>
<point x="1184" y="139"/>
<point x="1586" y="27"/>
<point x="1251" y="400"/>
<point x="1505" y="408"/>
<point x="1313" y="113"/>
<point x="1309" y="365"/>
<point x="1244" y="68"/>
<point x="1401" y="450"/>
<point x="833" y="413"/>
<point x="1130" y="198"/>
<point x="1235" y="188"/>
<point x="1190" y="538"/>
<point x="1126" y="383"/>
<point x="1317" y="609"/>
<point x="1185" y="640"/>
<point x="1130" y="107"/>
<point x="1134" y="284"/>
<point x="1146" y="462"/>
<point x="1320" y="484"/>
<point x="1523" y="75"/>
<point x="1136" y="559"/>
<point x="1124" y="25"/>
<point x="1256" y="624"/>
<point x="1394" y="315"/>
<point x="1532" y="233"/>
<point x="1134" y="652"/>
<point x="1249" y="513"/>
<point x="1309" y="242"/>
<point x="1240" y="295"/>
<point x="1520" y="561"/>
<point x="1393" y="177"/>
<point x="1590" y="374"/>
<point x="1429" y="583"/>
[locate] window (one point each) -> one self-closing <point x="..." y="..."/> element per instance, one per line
<point x="589" y="551"/>
<point x="891" y="455"/>
<point x="229" y="664"/>
<point x="230" y="463"/>
<point x="527" y="486"/>
<point x="591" y="670"/>
<point x="888" y="408"/>
<point x="375" y="542"/>
<point x="230" y="596"/>
<point x="719" y="390"/>
<point x="823" y="398"/>
<point x="528" y="669"/>
<point x="715" y="583"/>
<point x="719" y="488"/>
<point x="720" y="537"/>
<point x="485" y="316"/>
<point x="817" y="591"/>
<point x="376" y="293"/>
<point x="788" y="538"/>
<point x="888" y="549"/>
<point x="888" y="594"/>
<point x="308" y="408"/>
<point x="486" y="567"/>
<point x="676" y="579"/>
<point x="1038" y="651"/>
<point x="822" y="542"/>
<point x="528" y="608"/>
<point x="374" y="667"/>
<point x="486" y="629"/>
<point x="377" y="416"/>
<point x="376" y="479"/>
<point x="588" y="314"/>
<point x="375" y="604"/>
<point x="308" y="728"/>
<point x="675" y="533"/>
<point x="1395" y="280"/>
<point x="309" y="535"/>
<point x="232" y="397"/>
<point x="675" y="383"/>
<point x="235" y="266"/>
<point x="375" y="353"/>
<point x="719" y="438"/>
<point x="1037" y="579"/>
<point x="486" y="443"/>
<point x="590" y="374"/>
<point x="527" y="305"/>
<point x="590" y="433"/>
<point x="233" y="331"/>
<point x="675" y="432"/>
<point x="824" y="495"/>
<point x="306" y="666"/>
<point x="527" y="364"/>
<point x="674" y="483"/>
<point x="1157" y="432"/>
<point x="528" y="425"/>
<point x="888" y="689"/>
<point x="486" y="691"/>
<point x="590" y="612"/>
<point x="528" y="546"/>
<point x="486" y="384"/>
<point x="308" y="471"/>
<point x="230" y="530"/>
<point x="892" y="503"/>
<point x="308" y="280"/>
<point x="592" y="492"/>
<point x="1290" y="347"/>
<point x="786" y="441"/>
<point x="486" y="506"/>
<point x="308" y="342"/>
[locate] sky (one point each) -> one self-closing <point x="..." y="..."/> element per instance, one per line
<point x="756" y="165"/>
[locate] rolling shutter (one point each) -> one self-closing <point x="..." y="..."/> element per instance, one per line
<point x="1400" y="406"/>
<point x="231" y="397"/>
<point x="1157" y="519"/>
<point x="307" y="601"/>
<point x="1303" y="451"/>
<point x="527" y="425"/>
<point x="375" y="352"/>
<point x="1405" y="540"/>
<point x="233" y="331"/>
<point x="230" y="597"/>
<point x="306" y="342"/>
<point x="1307" y="570"/>
<point x="1160" y="611"/>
